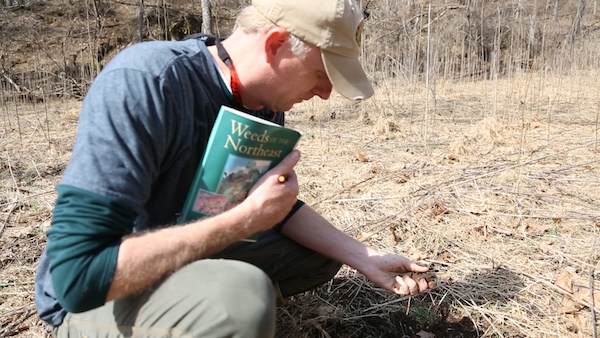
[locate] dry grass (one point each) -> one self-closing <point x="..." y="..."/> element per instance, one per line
<point x="498" y="190"/>
<point x="496" y="186"/>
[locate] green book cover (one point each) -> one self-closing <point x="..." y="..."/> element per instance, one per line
<point x="240" y="149"/>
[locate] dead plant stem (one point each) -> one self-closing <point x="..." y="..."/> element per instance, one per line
<point x="341" y="191"/>
<point x="426" y="116"/>
<point x="7" y="218"/>
<point x="592" y="307"/>
<point x="28" y="198"/>
<point x="12" y="174"/>
<point x="554" y="287"/>
<point x="497" y="171"/>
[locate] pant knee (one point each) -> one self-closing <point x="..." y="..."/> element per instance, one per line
<point x="222" y="298"/>
<point x="247" y="302"/>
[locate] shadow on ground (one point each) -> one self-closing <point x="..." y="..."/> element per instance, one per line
<point x="353" y="307"/>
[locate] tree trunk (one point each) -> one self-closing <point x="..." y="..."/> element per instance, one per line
<point x="206" y="20"/>
<point x="141" y="20"/>
<point x="576" y="22"/>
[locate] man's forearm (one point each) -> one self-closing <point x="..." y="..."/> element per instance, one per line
<point x="145" y="259"/>
<point x="311" y="230"/>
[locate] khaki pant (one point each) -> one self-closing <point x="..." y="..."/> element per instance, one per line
<point x="219" y="297"/>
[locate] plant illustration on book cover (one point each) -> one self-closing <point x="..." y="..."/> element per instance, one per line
<point x="241" y="148"/>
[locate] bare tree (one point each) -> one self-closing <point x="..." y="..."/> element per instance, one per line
<point x="575" y="27"/>
<point x="206" y="20"/>
<point x="141" y="20"/>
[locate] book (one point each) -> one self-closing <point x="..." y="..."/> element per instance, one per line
<point x="240" y="149"/>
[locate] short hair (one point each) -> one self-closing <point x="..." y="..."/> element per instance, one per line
<point x="251" y="21"/>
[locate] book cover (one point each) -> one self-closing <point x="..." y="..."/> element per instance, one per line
<point x="240" y="149"/>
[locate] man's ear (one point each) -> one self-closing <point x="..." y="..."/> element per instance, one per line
<point x="275" y="40"/>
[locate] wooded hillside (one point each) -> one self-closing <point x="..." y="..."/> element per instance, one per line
<point x="54" y="48"/>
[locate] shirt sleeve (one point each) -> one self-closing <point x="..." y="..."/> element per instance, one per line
<point x="295" y="208"/>
<point x="83" y="244"/>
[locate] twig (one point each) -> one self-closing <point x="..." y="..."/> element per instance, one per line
<point x="341" y="191"/>
<point x="557" y="289"/>
<point x="12" y="175"/>
<point x="9" y="329"/>
<point x="566" y="212"/>
<point x="7" y="218"/>
<point x="454" y="182"/>
<point x="552" y="248"/>
<point x="28" y="198"/>
<point x="561" y="179"/>
<point x="592" y="303"/>
<point x="386" y="304"/>
<point x="362" y="199"/>
<point x="573" y="166"/>
<point x="22" y="293"/>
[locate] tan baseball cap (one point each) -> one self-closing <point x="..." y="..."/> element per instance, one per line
<point x="332" y="25"/>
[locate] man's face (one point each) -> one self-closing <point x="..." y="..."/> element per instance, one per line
<point x="297" y="80"/>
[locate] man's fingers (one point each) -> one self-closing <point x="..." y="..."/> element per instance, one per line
<point x="407" y="286"/>
<point x="287" y="164"/>
<point x="284" y="171"/>
<point x="414" y="267"/>
<point x="423" y="285"/>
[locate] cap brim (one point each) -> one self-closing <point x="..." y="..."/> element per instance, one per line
<point x="347" y="76"/>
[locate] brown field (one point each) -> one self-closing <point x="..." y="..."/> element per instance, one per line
<point x="479" y="156"/>
<point x="495" y="185"/>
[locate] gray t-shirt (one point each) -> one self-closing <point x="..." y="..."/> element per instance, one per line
<point x="143" y="129"/>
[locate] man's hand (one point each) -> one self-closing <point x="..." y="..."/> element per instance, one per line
<point x="397" y="274"/>
<point x="271" y="200"/>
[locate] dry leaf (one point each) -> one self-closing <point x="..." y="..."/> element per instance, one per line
<point x="451" y="157"/>
<point x="563" y="281"/>
<point x="446" y="257"/>
<point x="581" y="322"/>
<point x="568" y="305"/>
<point x="536" y="227"/>
<point x="363" y="157"/>
<point x="545" y="248"/>
<point x="581" y="290"/>
<point x="364" y="236"/>
<point x="414" y="254"/>
<point x="396" y="237"/>
<point x="534" y="125"/>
